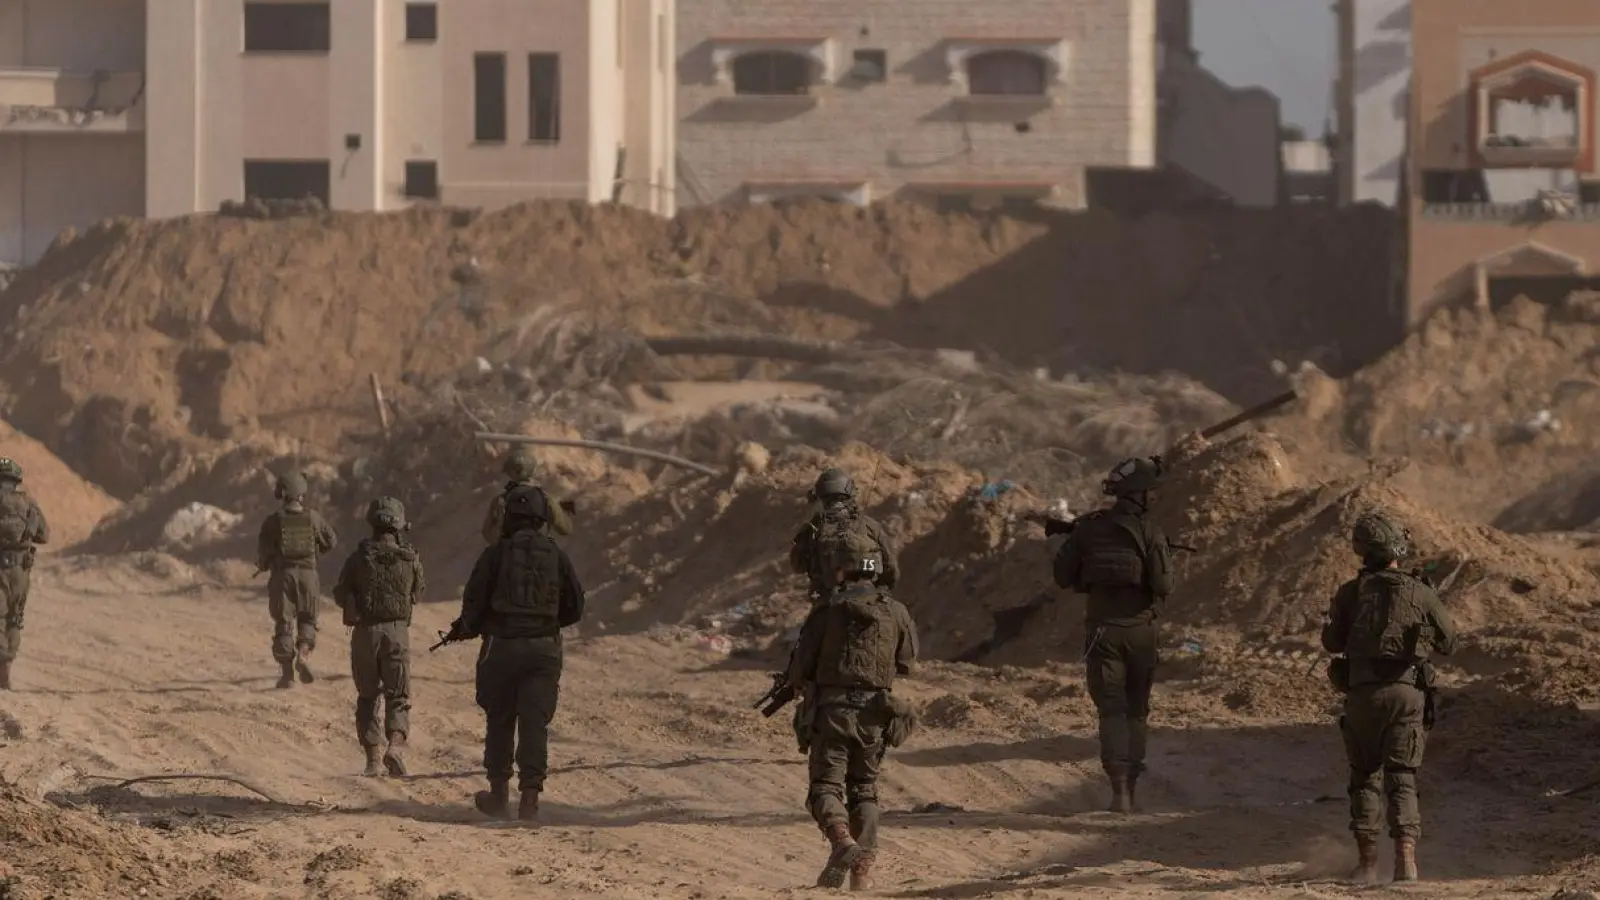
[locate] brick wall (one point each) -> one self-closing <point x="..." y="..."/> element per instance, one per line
<point x="912" y="128"/>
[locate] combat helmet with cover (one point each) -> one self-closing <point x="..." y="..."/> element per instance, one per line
<point x="1132" y="477"/>
<point x="834" y="483"/>
<point x="1379" y="540"/>
<point x="520" y="465"/>
<point x="525" y="505"/>
<point x="10" y="470"/>
<point x="1391" y="618"/>
<point x="291" y="486"/>
<point x="387" y="514"/>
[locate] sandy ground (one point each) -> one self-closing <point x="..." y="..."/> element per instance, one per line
<point x="665" y="782"/>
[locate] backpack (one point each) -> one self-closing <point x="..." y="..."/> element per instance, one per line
<point x="389" y="578"/>
<point x="840" y="526"/>
<point x="1114" y="551"/>
<point x="1390" y="617"/>
<point x="528" y="589"/>
<point x="14" y="528"/>
<point x="297" y="537"/>
<point x="859" y="641"/>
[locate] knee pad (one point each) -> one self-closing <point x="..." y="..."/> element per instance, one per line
<point x="820" y="792"/>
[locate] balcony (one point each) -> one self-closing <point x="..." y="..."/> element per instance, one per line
<point x="55" y="101"/>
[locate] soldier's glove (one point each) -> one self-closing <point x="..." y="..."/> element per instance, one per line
<point x="459" y="632"/>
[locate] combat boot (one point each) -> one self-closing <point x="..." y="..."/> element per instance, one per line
<point x="5" y="675"/>
<point x="496" y="801"/>
<point x="1366" y="870"/>
<point x="374" y="762"/>
<point x="844" y="852"/>
<point x="1405" y="859"/>
<point x="528" y="806"/>
<point x="303" y="666"/>
<point x="861" y="873"/>
<point x="286" y="680"/>
<point x="1121" y="800"/>
<point x="394" y="758"/>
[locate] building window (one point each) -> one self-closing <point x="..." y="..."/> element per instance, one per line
<point x="287" y="28"/>
<point x="1454" y="186"/>
<point x="544" y="97"/>
<point x="422" y="21"/>
<point x="1007" y="73"/>
<point x="287" y="179"/>
<point x="489" y="97"/>
<point x="772" y="73"/>
<point x="870" y="65"/>
<point x="422" y="179"/>
<point x="1589" y="192"/>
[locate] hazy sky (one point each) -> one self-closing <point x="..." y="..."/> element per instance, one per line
<point x="1285" y="46"/>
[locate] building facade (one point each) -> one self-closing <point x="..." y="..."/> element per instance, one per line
<point x="168" y="107"/>
<point x="1503" y="188"/>
<point x="1372" y="99"/>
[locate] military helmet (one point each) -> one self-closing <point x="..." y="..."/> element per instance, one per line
<point x="1132" y="477"/>
<point x="834" y="483"/>
<point x="520" y="464"/>
<point x="1379" y="538"/>
<point x="291" y="486"/>
<point x="9" y="469"/>
<point x="527" y="502"/>
<point x="854" y="552"/>
<point x="387" y="514"/>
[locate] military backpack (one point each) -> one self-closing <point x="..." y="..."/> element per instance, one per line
<point x="388" y="579"/>
<point x="1390" y="617"/>
<point x="859" y="641"/>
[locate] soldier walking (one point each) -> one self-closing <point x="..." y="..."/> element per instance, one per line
<point x="22" y="527"/>
<point x="287" y="548"/>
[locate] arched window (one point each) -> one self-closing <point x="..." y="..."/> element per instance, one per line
<point x="1006" y="72"/>
<point x="772" y="72"/>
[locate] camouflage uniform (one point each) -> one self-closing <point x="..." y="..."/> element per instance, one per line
<point x="379" y="586"/>
<point x="1386" y="622"/>
<point x="851" y="647"/>
<point x="1120" y="558"/>
<point x="22" y="526"/>
<point x="522" y="591"/>
<point x="520" y="467"/>
<point x="835" y="490"/>
<point x="287" y="548"/>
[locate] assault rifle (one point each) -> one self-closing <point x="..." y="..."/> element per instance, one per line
<point x="781" y="694"/>
<point x="1055" y="526"/>
<point x="453" y="636"/>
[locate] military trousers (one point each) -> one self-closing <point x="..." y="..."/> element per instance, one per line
<point x="294" y="598"/>
<point x="518" y="684"/>
<point x="380" y="666"/>
<point x="1384" y="739"/>
<point x="1120" y="663"/>
<point x="847" y="751"/>
<point x="14" y="583"/>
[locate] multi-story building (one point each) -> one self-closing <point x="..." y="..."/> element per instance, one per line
<point x="1371" y="99"/>
<point x="1023" y="102"/>
<point x="167" y="107"/>
<point x="1503" y="187"/>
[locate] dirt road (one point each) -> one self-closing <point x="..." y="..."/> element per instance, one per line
<point x="666" y="783"/>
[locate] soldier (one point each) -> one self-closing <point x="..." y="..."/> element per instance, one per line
<point x="836" y="491"/>
<point x="22" y="526"/>
<point x="522" y="591"/>
<point x="1120" y="558"/>
<point x="520" y="467"/>
<point x="851" y="647"/>
<point x="1385" y="623"/>
<point x="287" y="548"/>
<point x="378" y="588"/>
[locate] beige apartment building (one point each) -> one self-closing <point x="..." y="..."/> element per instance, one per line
<point x="168" y="107"/>
<point x="1503" y="181"/>
<point x="1019" y="103"/>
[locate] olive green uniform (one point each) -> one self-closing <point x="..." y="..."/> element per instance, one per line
<point x="16" y="566"/>
<point x="378" y="588"/>
<point x="1383" y="725"/>
<point x="294" y="592"/>
<point x="560" y="520"/>
<point x="1120" y="558"/>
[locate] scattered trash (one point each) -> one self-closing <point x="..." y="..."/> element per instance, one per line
<point x="991" y="492"/>
<point x="720" y="644"/>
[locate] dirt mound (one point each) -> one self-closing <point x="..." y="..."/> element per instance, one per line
<point x="63" y="853"/>
<point x="72" y="505"/>
<point x="137" y="342"/>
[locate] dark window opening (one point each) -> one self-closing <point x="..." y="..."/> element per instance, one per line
<point x="1454" y="186"/>
<point x="871" y="65"/>
<point x="422" y="179"/>
<point x="775" y="73"/>
<point x="1547" y="289"/>
<point x="489" y="96"/>
<point x="1006" y="73"/>
<point x="287" y="28"/>
<point x="283" y="179"/>
<point x="544" y="97"/>
<point x="422" y="21"/>
<point x="1589" y="192"/>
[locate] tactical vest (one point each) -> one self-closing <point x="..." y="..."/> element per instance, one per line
<point x="526" y="601"/>
<point x="841" y="523"/>
<point x="859" y="640"/>
<point x="297" y="536"/>
<point x="1113" y="551"/>
<point x="14" y="530"/>
<point x="388" y="579"/>
<point x="1390" y="619"/>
